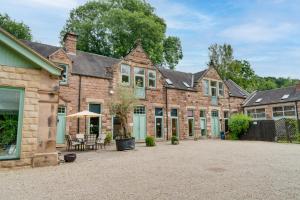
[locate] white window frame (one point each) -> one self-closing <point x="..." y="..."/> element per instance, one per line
<point x="125" y="74"/>
<point x="255" y="113"/>
<point x="139" y="75"/>
<point x="284" y="111"/>
<point x="221" y="89"/>
<point x="153" y="79"/>
<point x="65" y="73"/>
<point x="206" y="87"/>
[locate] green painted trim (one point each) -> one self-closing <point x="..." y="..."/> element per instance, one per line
<point x="20" y="124"/>
<point x="33" y="56"/>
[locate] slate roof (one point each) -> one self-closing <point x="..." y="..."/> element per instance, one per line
<point x="43" y="49"/>
<point x="273" y="96"/>
<point x="92" y="64"/>
<point x="87" y="64"/>
<point x="177" y="78"/>
<point x="235" y="90"/>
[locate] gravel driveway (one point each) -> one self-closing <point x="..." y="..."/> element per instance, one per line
<point x="206" y="169"/>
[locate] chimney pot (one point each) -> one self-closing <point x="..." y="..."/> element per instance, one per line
<point x="70" y="42"/>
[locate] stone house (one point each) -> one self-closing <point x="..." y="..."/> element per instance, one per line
<point x="170" y="102"/>
<point x="274" y="104"/>
<point x="29" y="86"/>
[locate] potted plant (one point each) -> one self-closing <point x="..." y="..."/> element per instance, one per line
<point x="150" y="141"/>
<point x="121" y="106"/>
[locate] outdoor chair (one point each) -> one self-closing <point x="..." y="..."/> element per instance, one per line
<point x="72" y="143"/>
<point x="90" y="141"/>
<point x="101" y="140"/>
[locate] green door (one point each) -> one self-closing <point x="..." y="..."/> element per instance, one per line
<point x="139" y="123"/>
<point x="215" y="129"/>
<point x="61" y="125"/>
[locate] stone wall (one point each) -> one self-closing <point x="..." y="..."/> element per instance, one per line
<point x="40" y="95"/>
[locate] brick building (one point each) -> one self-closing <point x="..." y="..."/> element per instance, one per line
<point x="170" y="102"/>
<point x="274" y="104"/>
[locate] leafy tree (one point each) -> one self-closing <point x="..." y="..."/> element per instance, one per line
<point x="111" y="28"/>
<point x="172" y="51"/>
<point x="18" y="29"/>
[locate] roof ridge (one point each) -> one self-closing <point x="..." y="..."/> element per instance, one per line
<point x="39" y="43"/>
<point x="98" y="55"/>
<point x="292" y="86"/>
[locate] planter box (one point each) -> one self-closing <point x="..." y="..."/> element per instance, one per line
<point x="125" y="144"/>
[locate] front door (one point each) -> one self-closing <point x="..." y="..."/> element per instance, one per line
<point x="61" y="125"/>
<point x="215" y="129"/>
<point x="139" y="123"/>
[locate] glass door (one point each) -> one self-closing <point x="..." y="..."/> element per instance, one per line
<point x="159" y="123"/>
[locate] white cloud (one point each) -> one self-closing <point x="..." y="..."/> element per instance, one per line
<point x="258" y="32"/>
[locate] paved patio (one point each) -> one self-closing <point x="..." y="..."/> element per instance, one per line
<point x="207" y="169"/>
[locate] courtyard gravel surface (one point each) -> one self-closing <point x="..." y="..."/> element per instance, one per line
<point x="206" y="169"/>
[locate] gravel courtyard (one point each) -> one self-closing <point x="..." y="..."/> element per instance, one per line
<point x="206" y="169"/>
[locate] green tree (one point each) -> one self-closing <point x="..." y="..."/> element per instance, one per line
<point x="172" y="51"/>
<point x="111" y="28"/>
<point x="18" y="29"/>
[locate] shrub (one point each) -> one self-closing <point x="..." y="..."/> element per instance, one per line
<point x="174" y="140"/>
<point x="150" y="141"/>
<point x="108" y="138"/>
<point x="238" y="125"/>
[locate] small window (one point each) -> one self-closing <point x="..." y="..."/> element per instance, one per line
<point x="285" y="96"/>
<point x="174" y="112"/>
<point x="258" y="100"/>
<point x="206" y="87"/>
<point x="158" y="112"/>
<point x="125" y="73"/>
<point x="169" y="81"/>
<point x="139" y="110"/>
<point x="221" y="89"/>
<point x="186" y="85"/>
<point x="202" y="113"/>
<point x="64" y="74"/>
<point x="152" y="79"/>
<point x="190" y="113"/>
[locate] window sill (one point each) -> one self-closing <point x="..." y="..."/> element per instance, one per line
<point x="9" y="158"/>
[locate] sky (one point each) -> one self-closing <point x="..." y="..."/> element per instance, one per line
<point x="264" y="32"/>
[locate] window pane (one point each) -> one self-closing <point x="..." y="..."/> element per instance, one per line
<point x="289" y="113"/>
<point x="221" y="89"/>
<point x="125" y="69"/>
<point x="152" y="74"/>
<point x="139" y="110"/>
<point x="139" y="81"/>
<point x="152" y="83"/>
<point x="139" y="71"/>
<point x="64" y="73"/>
<point x="174" y="113"/>
<point x="190" y="113"/>
<point x="289" y="108"/>
<point x="213" y="84"/>
<point x="158" y="127"/>
<point x="125" y="79"/>
<point x="9" y="119"/>
<point x="96" y="108"/>
<point x="226" y="114"/>
<point x="206" y="87"/>
<point x="202" y="113"/>
<point x="277" y="109"/>
<point x="158" y="112"/>
<point x="191" y="127"/>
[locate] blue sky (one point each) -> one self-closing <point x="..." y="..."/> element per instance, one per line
<point x="264" y="32"/>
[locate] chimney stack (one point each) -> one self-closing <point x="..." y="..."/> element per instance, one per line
<point x="70" y="42"/>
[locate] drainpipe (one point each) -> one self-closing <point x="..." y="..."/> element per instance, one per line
<point x="297" y="110"/>
<point x="167" y="113"/>
<point x="79" y="101"/>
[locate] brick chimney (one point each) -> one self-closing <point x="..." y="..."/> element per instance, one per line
<point x="70" y="42"/>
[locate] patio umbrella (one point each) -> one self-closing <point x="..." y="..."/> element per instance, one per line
<point x="84" y="114"/>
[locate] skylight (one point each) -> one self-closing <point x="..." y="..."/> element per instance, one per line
<point x="258" y="100"/>
<point x="169" y="81"/>
<point x="186" y="85"/>
<point x="285" y="96"/>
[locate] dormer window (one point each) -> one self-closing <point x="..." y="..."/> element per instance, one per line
<point x="285" y="96"/>
<point x="169" y="81"/>
<point x="186" y="84"/>
<point x="64" y="74"/>
<point x="258" y="100"/>
<point x="125" y="74"/>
